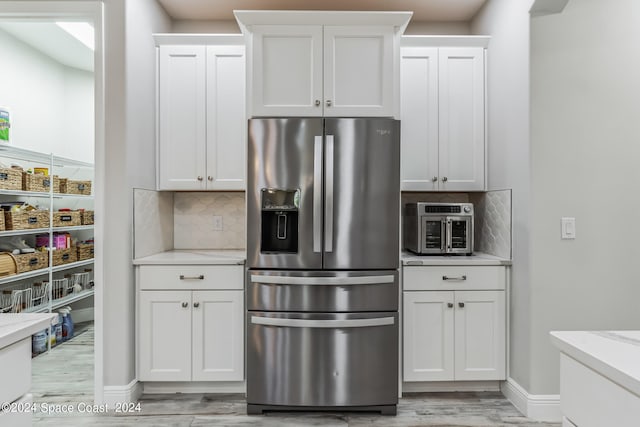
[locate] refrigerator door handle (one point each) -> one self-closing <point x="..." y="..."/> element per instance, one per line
<point x="305" y="323"/>
<point x="317" y="194"/>
<point x="328" y="203"/>
<point x="449" y="236"/>
<point x="298" y="280"/>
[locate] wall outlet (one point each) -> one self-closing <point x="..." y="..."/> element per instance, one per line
<point x="568" y="228"/>
<point x="217" y="223"/>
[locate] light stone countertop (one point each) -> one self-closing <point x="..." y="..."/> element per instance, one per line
<point x="477" y="258"/>
<point x="194" y="257"/>
<point x="613" y="354"/>
<point x="15" y="327"/>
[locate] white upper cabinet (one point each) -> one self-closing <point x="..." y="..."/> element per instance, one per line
<point x="226" y="118"/>
<point x="334" y="64"/>
<point x="182" y="117"/>
<point x="201" y="117"/>
<point x="462" y="118"/>
<point x="287" y="73"/>
<point x="443" y="118"/>
<point x="358" y="71"/>
<point x="419" y="118"/>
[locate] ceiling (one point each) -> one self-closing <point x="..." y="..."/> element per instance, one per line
<point x="52" y="41"/>
<point x="423" y="10"/>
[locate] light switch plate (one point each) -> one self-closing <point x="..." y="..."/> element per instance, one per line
<point x="568" y="228"/>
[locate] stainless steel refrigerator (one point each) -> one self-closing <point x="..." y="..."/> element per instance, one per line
<point x="322" y="255"/>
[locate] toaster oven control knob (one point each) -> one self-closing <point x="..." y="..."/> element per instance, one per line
<point x="467" y="209"/>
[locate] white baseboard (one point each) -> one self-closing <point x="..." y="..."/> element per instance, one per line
<point x="114" y="394"/>
<point x="448" y="386"/>
<point x="82" y="315"/>
<point x="195" y="387"/>
<point x="539" y="407"/>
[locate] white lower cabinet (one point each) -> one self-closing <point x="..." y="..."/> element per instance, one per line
<point x="454" y="335"/>
<point x="191" y="335"/>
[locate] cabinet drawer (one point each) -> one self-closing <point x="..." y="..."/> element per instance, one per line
<point x="453" y="278"/>
<point x="194" y="277"/>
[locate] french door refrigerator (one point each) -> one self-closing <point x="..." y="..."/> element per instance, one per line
<point x="322" y="255"/>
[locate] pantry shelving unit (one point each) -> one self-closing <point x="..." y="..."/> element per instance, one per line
<point x="65" y="168"/>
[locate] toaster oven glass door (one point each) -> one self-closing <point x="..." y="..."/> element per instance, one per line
<point x="433" y="234"/>
<point x="459" y="235"/>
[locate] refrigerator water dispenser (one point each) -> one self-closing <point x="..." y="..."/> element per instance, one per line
<point x="279" y="220"/>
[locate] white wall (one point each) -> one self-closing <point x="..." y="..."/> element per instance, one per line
<point x="130" y="156"/>
<point x="78" y="136"/>
<point x="143" y="19"/>
<point x="51" y="104"/>
<point x="585" y="149"/>
<point x="507" y="22"/>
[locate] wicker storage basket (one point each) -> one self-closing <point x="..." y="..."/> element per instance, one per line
<point x="64" y="256"/>
<point x="85" y="251"/>
<point x="87" y="217"/>
<point x="71" y="186"/>
<point x="10" y="179"/>
<point x="40" y="183"/>
<point x="67" y="219"/>
<point x="26" y="220"/>
<point x="8" y="264"/>
<point x="32" y="261"/>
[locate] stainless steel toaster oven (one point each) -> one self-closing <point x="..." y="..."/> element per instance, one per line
<point x="438" y="228"/>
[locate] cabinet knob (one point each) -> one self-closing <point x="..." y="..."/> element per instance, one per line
<point x="444" y="179"/>
<point x="434" y="179"/>
<point x="317" y="102"/>
<point x="200" y="178"/>
<point x="185" y="304"/>
<point x="210" y="178"/>
<point x="461" y="304"/>
<point x="450" y="304"/>
<point x="328" y="103"/>
<point x="196" y="304"/>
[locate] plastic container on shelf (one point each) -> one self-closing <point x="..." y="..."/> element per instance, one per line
<point x="39" y="342"/>
<point x="5" y="124"/>
<point x="67" y="324"/>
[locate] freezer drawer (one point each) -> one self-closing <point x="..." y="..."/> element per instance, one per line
<point x="322" y="291"/>
<point x="322" y="359"/>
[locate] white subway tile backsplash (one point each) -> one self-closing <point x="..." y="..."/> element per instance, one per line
<point x="194" y="226"/>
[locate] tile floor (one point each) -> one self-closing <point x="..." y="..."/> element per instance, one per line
<point x="65" y="376"/>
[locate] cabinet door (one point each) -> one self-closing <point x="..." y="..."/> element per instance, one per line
<point x="419" y="118"/>
<point x="480" y="335"/>
<point x="428" y="336"/>
<point x="358" y="71"/>
<point x="286" y="77"/>
<point x="182" y="132"/>
<point x="226" y="123"/>
<point x="218" y="336"/>
<point x="461" y="119"/>
<point x="164" y="338"/>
